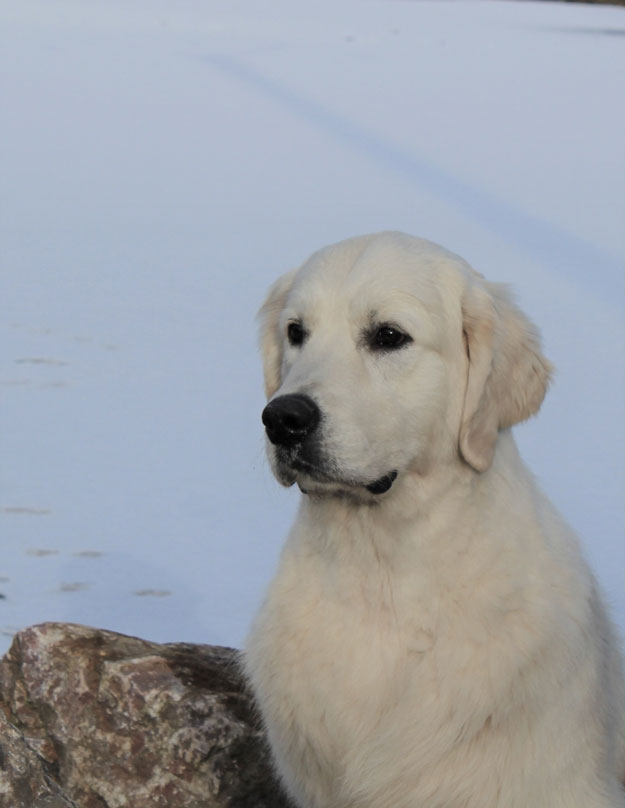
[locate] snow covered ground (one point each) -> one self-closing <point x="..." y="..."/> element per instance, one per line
<point x="162" y="162"/>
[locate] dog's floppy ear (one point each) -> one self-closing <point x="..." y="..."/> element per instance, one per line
<point x="270" y="337"/>
<point x="508" y="375"/>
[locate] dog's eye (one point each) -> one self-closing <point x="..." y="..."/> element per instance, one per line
<point x="387" y="337"/>
<point x="295" y="333"/>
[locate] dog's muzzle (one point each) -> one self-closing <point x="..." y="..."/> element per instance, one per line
<point x="291" y="422"/>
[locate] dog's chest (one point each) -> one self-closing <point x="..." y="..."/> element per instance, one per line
<point x="336" y="648"/>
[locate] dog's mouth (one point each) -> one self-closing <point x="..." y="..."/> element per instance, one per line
<point x="382" y="485"/>
<point x="358" y="491"/>
<point x="316" y="478"/>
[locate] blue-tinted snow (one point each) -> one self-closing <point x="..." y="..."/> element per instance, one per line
<point x="163" y="162"/>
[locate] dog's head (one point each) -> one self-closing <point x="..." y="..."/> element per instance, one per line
<point x="386" y="354"/>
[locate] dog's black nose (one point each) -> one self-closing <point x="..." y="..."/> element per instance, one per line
<point x="289" y="419"/>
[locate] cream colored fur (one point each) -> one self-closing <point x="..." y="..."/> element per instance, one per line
<point x="441" y="645"/>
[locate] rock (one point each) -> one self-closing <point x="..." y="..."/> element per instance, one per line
<point x="94" y="719"/>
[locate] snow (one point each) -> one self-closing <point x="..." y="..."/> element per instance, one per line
<point x="163" y="162"/>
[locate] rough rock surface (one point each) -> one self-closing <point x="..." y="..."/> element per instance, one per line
<point x="94" y="719"/>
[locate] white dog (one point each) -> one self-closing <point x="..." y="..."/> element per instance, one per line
<point x="433" y="637"/>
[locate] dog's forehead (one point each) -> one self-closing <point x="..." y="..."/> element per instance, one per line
<point x="364" y="272"/>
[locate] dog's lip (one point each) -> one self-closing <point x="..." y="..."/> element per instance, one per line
<point x="312" y="469"/>
<point x="320" y="475"/>
<point x="383" y="484"/>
